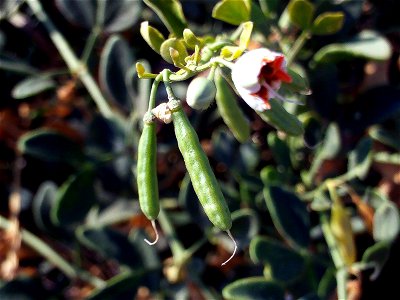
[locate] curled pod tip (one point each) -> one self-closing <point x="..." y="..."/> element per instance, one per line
<point x="234" y="250"/>
<point x="153" y="224"/>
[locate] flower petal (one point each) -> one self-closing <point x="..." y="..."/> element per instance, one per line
<point x="257" y="74"/>
<point x="247" y="68"/>
<point x="253" y="100"/>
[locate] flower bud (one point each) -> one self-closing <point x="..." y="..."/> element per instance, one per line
<point x="200" y="93"/>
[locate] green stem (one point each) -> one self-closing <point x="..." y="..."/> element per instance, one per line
<point x="223" y="62"/>
<point x="212" y="73"/>
<point x="90" y="44"/>
<point x="52" y="256"/>
<point x="196" y="246"/>
<point x="331" y="241"/>
<point x="153" y="92"/>
<point x="341" y="272"/>
<point x="17" y="67"/>
<point x="341" y="280"/>
<point x="73" y="63"/>
<point x="176" y="247"/>
<point x="96" y="30"/>
<point x="211" y="63"/>
<point x="336" y="180"/>
<point x="166" y="78"/>
<point x="298" y="44"/>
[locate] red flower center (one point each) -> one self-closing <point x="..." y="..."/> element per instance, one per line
<point x="270" y="72"/>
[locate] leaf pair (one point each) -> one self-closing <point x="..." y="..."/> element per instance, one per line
<point x="301" y="13"/>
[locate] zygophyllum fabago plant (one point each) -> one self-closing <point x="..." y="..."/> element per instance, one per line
<point x="257" y="76"/>
<point x="272" y="180"/>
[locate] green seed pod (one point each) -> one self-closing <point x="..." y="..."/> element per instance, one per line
<point x="147" y="172"/>
<point x="341" y="229"/>
<point x="230" y="111"/>
<point x="203" y="179"/>
<point x="200" y="93"/>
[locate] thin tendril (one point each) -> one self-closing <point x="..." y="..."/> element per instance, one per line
<point x="153" y="223"/>
<point x="278" y="96"/>
<point x="234" y="250"/>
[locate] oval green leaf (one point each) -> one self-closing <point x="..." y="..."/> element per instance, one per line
<point x="170" y="13"/>
<point x="299" y="82"/>
<point x="177" y="45"/>
<point x="121" y="14"/>
<point x="110" y="243"/>
<point x="367" y="45"/>
<point x="278" y="117"/>
<point x="32" y="86"/>
<point x="332" y="142"/>
<point x="280" y="150"/>
<point x="115" y="60"/>
<point x="232" y="11"/>
<point x="301" y="13"/>
<point x="360" y="159"/>
<point x="289" y="215"/>
<point x="116" y="15"/>
<point x="285" y="264"/>
<point x="328" y="23"/>
<point x="253" y="288"/>
<point x="386" y="222"/>
<point x="74" y="199"/>
<point x="51" y="146"/>
<point x="152" y="36"/>
<point x="270" y="176"/>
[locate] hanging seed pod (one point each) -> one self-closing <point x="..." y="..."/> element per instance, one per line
<point x="341" y="228"/>
<point x="230" y="111"/>
<point x="147" y="172"/>
<point x="203" y="179"/>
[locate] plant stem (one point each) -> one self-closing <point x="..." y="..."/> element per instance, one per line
<point x="341" y="272"/>
<point x="336" y="181"/>
<point x="52" y="256"/>
<point x="179" y="253"/>
<point x="90" y="44"/>
<point x="153" y="92"/>
<point x="96" y="30"/>
<point x="166" y="78"/>
<point x="17" y="67"/>
<point x="212" y="73"/>
<point x="222" y="61"/>
<point x="73" y="63"/>
<point x="341" y="280"/>
<point x="298" y="44"/>
<point x="169" y="231"/>
<point x="331" y="241"/>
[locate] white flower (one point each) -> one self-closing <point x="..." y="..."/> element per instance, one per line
<point x="257" y="76"/>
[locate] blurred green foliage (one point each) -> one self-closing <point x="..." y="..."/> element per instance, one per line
<point x="78" y="139"/>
